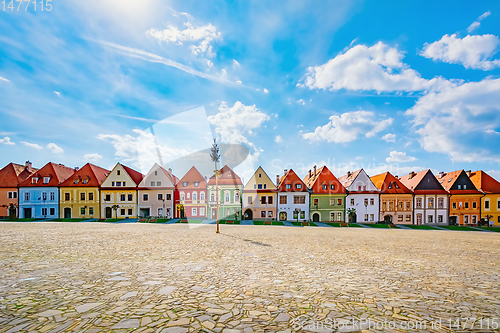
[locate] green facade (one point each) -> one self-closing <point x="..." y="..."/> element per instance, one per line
<point x="228" y="209"/>
<point x="325" y="209"/>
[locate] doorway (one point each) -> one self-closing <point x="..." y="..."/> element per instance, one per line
<point x="27" y="213"/>
<point x="144" y="212"/>
<point x="316" y="217"/>
<point x="108" y="212"/>
<point x="248" y="214"/>
<point x="12" y="212"/>
<point x="282" y="216"/>
<point x="67" y="213"/>
<point x="388" y="219"/>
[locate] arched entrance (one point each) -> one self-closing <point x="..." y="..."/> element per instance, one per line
<point x="282" y="216"/>
<point x="316" y="217"/>
<point x="248" y="214"/>
<point x="388" y="219"/>
<point x="353" y="218"/>
<point x="12" y="212"/>
<point x="108" y="212"/>
<point x="67" y="213"/>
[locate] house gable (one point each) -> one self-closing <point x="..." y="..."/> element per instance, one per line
<point x="290" y="182"/>
<point x="322" y="181"/>
<point x="260" y="179"/>
<point x="190" y="178"/>
<point x="156" y="174"/>
<point x="119" y="174"/>
<point x="362" y="183"/>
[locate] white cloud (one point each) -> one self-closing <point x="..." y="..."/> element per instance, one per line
<point x="301" y="102"/>
<point x="203" y="34"/>
<point x="456" y="121"/>
<point x="378" y="68"/>
<point x="470" y="51"/>
<point x="239" y="82"/>
<point x="55" y="148"/>
<point x="399" y="157"/>
<point x="476" y="24"/>
<point x="389" y="137"/>
<point x="348" y="126"/>
<point x="278" y="139"/>
<point x="4" y="79"/>
<point x="231" y="122"/>
<point x="57" y="93"/>
<point x="266" y="91"/>
<point x="32" y="145"/>
<point x="235" y="63"/>
<point x="6" y="141"/>
<point x="92" y="158"/>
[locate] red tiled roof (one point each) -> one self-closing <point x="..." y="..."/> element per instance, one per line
<point x="13" y="174"/>
<point x="323" y="175"/>
<point x="58" y="173"/>
<point x="347" y="180"/>
<point x="484" y="182"/>
<point x="412" y="180"/>
<point x="227" y="177"/>
<point x="92" y="173"/>
<point x="192" y="176"/>
<point x="448" y="179"/>
<point x="135" y="175"/>
<point x="388" y="184"/>
<point x="291" y="178"/>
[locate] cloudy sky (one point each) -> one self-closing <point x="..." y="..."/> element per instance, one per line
<point x="384" y="85"/>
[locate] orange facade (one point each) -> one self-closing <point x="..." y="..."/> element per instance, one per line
<point x="10" y="177"/>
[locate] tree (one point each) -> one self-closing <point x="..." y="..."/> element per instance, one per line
<point x="115" y="208"/>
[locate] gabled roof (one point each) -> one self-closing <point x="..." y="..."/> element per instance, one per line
<point x="348" y="179"/>
<point x="484" y="182"/>
<point x="264" y="180"/>
<point x="93" y="174"/>
<point x="58" y="173"/>
<point x="192" y="176"/>
<point x="315" y="179"/>
<point x="227" y="177"/>
<point x="291" y="178"/>
<point x="388" y="184"/>
<point x="448" y="179"/>
<point x="13" y="174"/>
<point x="414" y="179"/>
<point x="135" y="175"/>
<point x="172" y="180"/>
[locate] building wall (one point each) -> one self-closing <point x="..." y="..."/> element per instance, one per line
<point x="465" y="208"/>
<point x="364" y="214"/>
<point x="228" y="209"/>
<point x="328" y="207"/>
<point x="494" y="208"/>
<point x="130" y="206"/>
<point x="260" y="211"/>
<point x="427" y="211"/>
<point x="76" y="204"/>
<point x="38" y="207"/>
<point x="154" y="205"/>
<point x="398" y="206"/>
<point x="286" y="211"/>
<point x="8" y="196"/>
<point x="193" y="208"/>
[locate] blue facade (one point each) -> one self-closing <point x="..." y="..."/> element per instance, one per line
<point x="39" y="202"/>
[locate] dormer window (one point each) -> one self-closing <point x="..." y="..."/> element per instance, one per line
<point x="196" y="184"/>
<point x="325" y="187"/>
<point x="396" y="185"/>
<point x="85" y="181"/>
<point x="76" y="181"/>
<point x="332" y="186"/>
<point x="184" y="184"/>
<point x="34" y="180"/>
<point x="46" y="180"/>
<point x="298" y="186"/>
<point x="390" y="185"/>
<point x="449" y="180"/>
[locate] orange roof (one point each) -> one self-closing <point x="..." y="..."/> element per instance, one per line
<point x="323" y="175"/>
<point x="135" y="175"/>
<point x="89" y="175"/>
<point x="347" y="180"/>
<point x="413" y="179"/>
<point x="291" y="178"/>
<point x="448" y="179"/>
<point x="57" y="174"/>
<point x="227" y="177"/>
<point x="191" y="177"/>
<point x="484" y="182"/>
<point x="14" y="174"/>
<point x="388" y="184"/>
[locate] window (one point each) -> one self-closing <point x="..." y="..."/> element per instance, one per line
<point x="454" y="205"/>
<point x="419" y="203"/>
<point x="259" y="187"/>
<point x="270" y="214"/>
<point x="160" y="211"/>
<point x="400" y="205"/>
<point x="130" y="197"/>
<point x="339" y="202"/>
<point x="91" y="210"/>
<point x="486" y="204"/>
<point x="465" y="187"/>
<point x="227" y="197"/>
<point x="440" y="203"/>
<point x="400" y="218"/>
<point x="339" y="216"/>
<point x="254" y="186"/>
<point x="122" y="211"/>
<point x="52" y="211"/>
<point x="288" y="186"/>
<point x="466" y="218"/>
<point x="122" y="197"/>
<point x="408" y="218"/>
<point x="390" y="185"/>
<point x="474" y="219"/>
<point x="76" y="181"/>
<point x="85" y="181"/>
<point x="67" y="197"/>
<point x="265" y="186"/>
<point x="260" y="175"/>
<point x="372" y="217"/>
<point x="108" y="197"/>
<point x="194" y="212"/>
<point x="366" y="201"/>
<point x="44" y="211"/>
<point x="295" y="215"/>
<point x="196" y="184"/>
<point x="130" y="211"/>
<point x="474" y="205"/>
<point x="249" y="200"/>
<point x="52" y="196"/>
<point x="359" y="188"/>
<point x="332" y="202"/>
<point x="82" y="196"/>
<point x="366" y="217"/>
<point x="118" y="183"/>
<point x="459" y="187"/>
<point x="237" y="197"/>
<point x="270" y="200"/>
<point x="302" y="214"/>
<point x="299" y="199"/>
<point x="156" y="173"/>
<point x="431" y="203"/>
<point x="372" y="202"/>
<point x="91" y="196"/>
<point x="202" y="211"/>
<point x="195" y="196"/>
<point x="282" y="200"/>
<point x="419" y="218"/>
<point x="332" y="217"/>
<point x="44" y="196"/>
<point x="263" y="200"/>
<point x="82" y="211"/>
<point x="158" y="183"/>
<point x="46" y="180"/>
<point x="9" y="195"/>
<point x="429" y="219"/>
<point x="315" y="202"/>
<point x="34" y="180"/>
<point x="263" y="214"/>
<point x="440" y="218"/>
<point x="153" y="183"/>
<point x="352" y="202"/>
<point x="184" y="184"/>
<point x="212" y="197"/>
<point x="332" y="186"/>
<point x="118" y="173"/>
<point x="169" y="196"/>
<point x="408" y="205"/>
<point x="145" y="197"/>
<point x="466" y="205"/>
<point x="160" y="196"/>
<point x="325" y="187"/>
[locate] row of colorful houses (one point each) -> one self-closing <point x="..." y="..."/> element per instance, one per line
<point x="57" y="191"/>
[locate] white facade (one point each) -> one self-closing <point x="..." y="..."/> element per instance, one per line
<point x="430" y="209"/>
<point x="364" y="197"/>
<point x="288" y="202"/>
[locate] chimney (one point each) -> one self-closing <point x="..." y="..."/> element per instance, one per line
<point x="76" y="169"/>
<point x="286" y="170"/>
<point x="28" y="166"/>
<point x="315" y="170"/>
<point x="468" y="173"/>
<point x="412" y="174"/>
<point x="441" y="174"/>
<point x="348" y="174"/>
<point x="206" y="179"/>
<point x="310" y="173"/>
<point x="170" y="171"/>
<point x="277" y="179"/>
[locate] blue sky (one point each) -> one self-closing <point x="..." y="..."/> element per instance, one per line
<point x="383" y="85"/>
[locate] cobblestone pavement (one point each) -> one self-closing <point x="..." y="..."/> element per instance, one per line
<point x="93" y="277"/>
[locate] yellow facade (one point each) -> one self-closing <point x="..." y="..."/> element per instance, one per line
<point x="490" y="208"/>
<point x="79" y="202"/>
<point x="260" y="197"/>
<point x="126" y="200"/>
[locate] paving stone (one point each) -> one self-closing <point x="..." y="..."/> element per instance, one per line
<point x="49" y="313"/>
<point x="127" y="323"/>
<point x="86" y="307"/>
